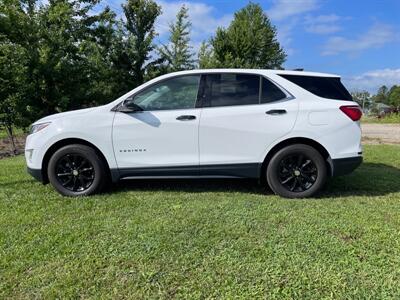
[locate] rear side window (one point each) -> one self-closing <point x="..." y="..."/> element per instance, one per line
<point x="325" y="87"/>
<point x="270" y="92"/>
<point x="229" y="89"/>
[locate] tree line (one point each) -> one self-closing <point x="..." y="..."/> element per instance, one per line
<point x="68" y="54"/>
<point x="372" y="103"/>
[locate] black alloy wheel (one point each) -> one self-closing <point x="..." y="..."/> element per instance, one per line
<point x="77" y="170"/>
<point x="75" y="173"/>
<point x="297" y="171"/>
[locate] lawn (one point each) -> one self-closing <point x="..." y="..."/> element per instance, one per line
<point x="204" y="238"/>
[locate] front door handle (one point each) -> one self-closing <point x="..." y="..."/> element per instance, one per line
<point x="186" y="118"/>
<point x="276" y="112"/>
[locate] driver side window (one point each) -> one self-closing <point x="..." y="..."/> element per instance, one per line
<point x="175" y="93"/>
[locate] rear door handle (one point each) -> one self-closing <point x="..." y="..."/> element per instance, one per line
<point x="276" y="112"/>
<point x="186" y="118"/>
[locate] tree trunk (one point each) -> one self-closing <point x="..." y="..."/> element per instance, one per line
<point x="10" y="134"/>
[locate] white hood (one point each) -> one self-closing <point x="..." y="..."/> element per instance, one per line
<point x="66" y="114"/>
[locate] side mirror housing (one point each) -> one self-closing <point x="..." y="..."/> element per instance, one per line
<point x="129" y="107"/>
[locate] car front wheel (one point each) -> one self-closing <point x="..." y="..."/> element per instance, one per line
<point x="297" y="171"/>
<point x="77" y="170"/>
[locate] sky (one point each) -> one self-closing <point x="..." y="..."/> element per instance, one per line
<point x="359" y="40"/>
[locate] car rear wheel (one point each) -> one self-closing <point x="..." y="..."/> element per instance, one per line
<point x="297" y="171"/>
<point x="77" y="170"/>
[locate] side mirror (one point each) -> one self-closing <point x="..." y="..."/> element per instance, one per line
<point x="129" y="107"/>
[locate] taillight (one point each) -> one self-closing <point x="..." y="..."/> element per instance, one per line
<point x="352" y="111"/>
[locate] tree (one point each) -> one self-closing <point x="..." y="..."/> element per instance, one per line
<point x="394" y="96"/>
<point x="382" y="95"/>
<point x="139" y="34"/>
<point x="13" y="79"/>
<point x="177" y="53"/>
<point x="248" y="42"/>
<point x="63" y="41"/>
<point x="205" y="56"/>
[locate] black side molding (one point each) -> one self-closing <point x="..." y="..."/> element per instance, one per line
<point x="246" y="170"/>
<point x="343" y="166"/>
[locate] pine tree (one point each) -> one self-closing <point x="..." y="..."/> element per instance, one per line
<point x="177" y="53"/>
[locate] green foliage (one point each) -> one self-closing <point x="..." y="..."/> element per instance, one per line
<point x="72" y="57"/>
<point x="63" y="41"/>
<point x="177" y="53"/>
<point x="394" y="96"/>
<point x="248" y="42"/>
<point x="206" y="58"/>
<point x="61" y="56"/>
<point x="207" y="239"/>
<point x="137" y="39"/>
<point x="382" y="95"/>
<point x="13" y="81"/>
<point x="388" y="97"/>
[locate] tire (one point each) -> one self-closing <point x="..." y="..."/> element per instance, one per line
<point x="297" y="171"/>
<point x="77" y="170"/>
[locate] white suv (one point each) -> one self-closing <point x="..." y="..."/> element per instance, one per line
<point x="294" y="129"/>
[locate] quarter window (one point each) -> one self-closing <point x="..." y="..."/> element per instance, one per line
<point x="228" y="89"/>
<point x="325" y="87"/>
<point x="270" y="92"/>
<point x="175" y="93"/>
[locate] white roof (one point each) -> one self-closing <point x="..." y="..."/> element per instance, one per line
<point x="259" y="71"/>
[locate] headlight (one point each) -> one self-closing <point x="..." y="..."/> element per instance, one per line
<point x="37" y="127"/>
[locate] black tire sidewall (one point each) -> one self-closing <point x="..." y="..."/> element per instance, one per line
<point x="88" y="153"/>
<point x="309" y="152"/>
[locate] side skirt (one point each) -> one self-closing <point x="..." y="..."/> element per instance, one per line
<point x="248" y="170"/>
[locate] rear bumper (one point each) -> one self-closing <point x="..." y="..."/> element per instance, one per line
<point x="343" y="166"/>
<point x="35" y="173"/>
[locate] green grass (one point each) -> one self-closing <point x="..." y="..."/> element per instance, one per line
<point x="388" y="119"/>
<point x="203" y="239"/>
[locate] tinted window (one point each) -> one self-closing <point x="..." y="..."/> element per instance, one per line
<point x="231" y="89"/>
<point x="174" y="93"/>
<point x="326" y="87"/>
<point x="270" y="92"/>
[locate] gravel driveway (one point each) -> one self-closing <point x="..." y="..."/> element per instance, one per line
<point x="381" y="133"/>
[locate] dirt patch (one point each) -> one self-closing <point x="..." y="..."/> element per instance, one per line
<point x="381" y="133"/>
<point x="6" y="148"/>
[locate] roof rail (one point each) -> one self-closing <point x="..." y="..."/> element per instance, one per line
<point x="298" y="69"/>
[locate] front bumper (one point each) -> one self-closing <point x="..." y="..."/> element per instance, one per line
<point x="343" y="166"/>
<point x="36" y="173"/>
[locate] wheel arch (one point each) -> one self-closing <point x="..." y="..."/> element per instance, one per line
<point x="69" y="141"/>
<point x="296" y="140"/>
